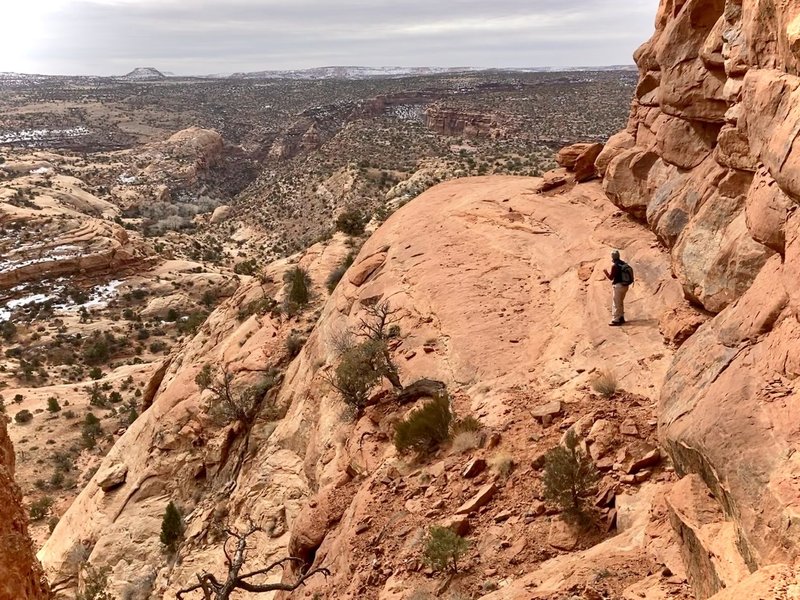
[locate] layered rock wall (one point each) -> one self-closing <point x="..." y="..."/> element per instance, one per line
<point x="710" y="161"/>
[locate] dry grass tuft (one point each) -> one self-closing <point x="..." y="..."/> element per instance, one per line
<point x="502" y="464"/>
<point x="466" y="441"/>
<point x="605" y="384"/>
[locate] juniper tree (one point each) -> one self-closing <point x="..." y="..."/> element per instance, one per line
<point x="569" y="475"/>
<point x="171" y="527"/>
<point x="443" y="548"/>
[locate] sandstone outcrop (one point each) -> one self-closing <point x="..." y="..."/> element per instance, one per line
<point x="709" y="160"/>
<point x="21" y="576"/>
<point x="453" y="121"/>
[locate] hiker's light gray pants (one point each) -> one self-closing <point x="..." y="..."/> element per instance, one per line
<point x="618" y="306"/>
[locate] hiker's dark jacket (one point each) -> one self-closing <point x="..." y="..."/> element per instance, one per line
<point x="616" y="273"/>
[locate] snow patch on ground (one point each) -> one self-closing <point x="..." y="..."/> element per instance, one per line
<point x="99" y="297"/>
<point x="37" y="135"/>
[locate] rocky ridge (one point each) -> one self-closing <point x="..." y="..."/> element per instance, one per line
<point x="334" y="491"/>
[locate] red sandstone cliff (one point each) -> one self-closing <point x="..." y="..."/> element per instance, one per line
<point x="20" y="573"/>
<point x="709" y="160"/>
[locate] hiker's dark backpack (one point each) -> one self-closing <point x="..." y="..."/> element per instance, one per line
<point x="625" y="273"/>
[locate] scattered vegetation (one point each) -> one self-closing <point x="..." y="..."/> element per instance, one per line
<point x="298" y="294"/>
<point x="232" y="404"/>
<point x="94" y="584"/>
<point x="336" y="275"/>
<point x="351" y="221"/>
<point x="90" y="431"/>
<point x="294" y="343"/>
<point x="23" y="416"/>
<point x="40" y="508"/>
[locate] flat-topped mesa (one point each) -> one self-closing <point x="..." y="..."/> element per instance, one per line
<point x="710" y="161"/>
<point x="21" y="575"/>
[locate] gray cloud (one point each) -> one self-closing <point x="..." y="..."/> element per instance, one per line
<point x="205" y="36"/>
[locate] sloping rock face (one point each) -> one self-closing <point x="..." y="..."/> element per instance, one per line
<point x="710" y="160"/>
<point x="501" y="296"/>
<point x="20" y="573"/>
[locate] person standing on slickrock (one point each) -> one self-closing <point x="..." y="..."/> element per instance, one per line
<point x="621" y="277"/>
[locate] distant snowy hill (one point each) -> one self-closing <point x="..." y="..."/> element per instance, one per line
<point x="144" y="74"/>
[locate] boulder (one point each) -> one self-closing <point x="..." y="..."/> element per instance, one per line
<point x="684" y="143"/>
<point x="648" y="459"/>
<point x="562" y="535"/>
<point x="568" y="156"/>
<point x="458" y="524"/>
<point x="678" y="324"/>
<point x="613" y="147"/>
<point x="112" y="476"/>
<point x="474" y="468"/>
<point x="553" y="179"/>
<point x="221" y="214"/>
<point x="584" y="167"/>
<point x="479" y="500"/>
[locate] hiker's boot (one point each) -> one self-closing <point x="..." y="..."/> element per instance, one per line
<point x="617" y="322"/>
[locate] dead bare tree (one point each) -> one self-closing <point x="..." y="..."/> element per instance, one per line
<point x="213" y="589"/>
<point x="378" y="326"/>
<point x="379" y="321"/>
<point x="233" y="404"/>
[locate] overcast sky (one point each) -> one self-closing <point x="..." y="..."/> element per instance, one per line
<point x="193" y="37"/>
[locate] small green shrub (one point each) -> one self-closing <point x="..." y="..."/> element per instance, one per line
<point x="57" y="479"/>
<point x="425" y="428"/>
<point x="171" y="527"/>
<point x="351" y="221"/>
<point x="569" y="476"/>
<point x="359" y="370"/>
<point x="90" y="431"/>
<point x="299" y="293"/>
<point x="39" y="508"/>
<point x="95" y="584"/>
<point x="443" y="549"/>
<point x="246" y="267"/>
<point x="23" y="416"/>
<point x="8" y="330"/>
<point x="52" y="404"/>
